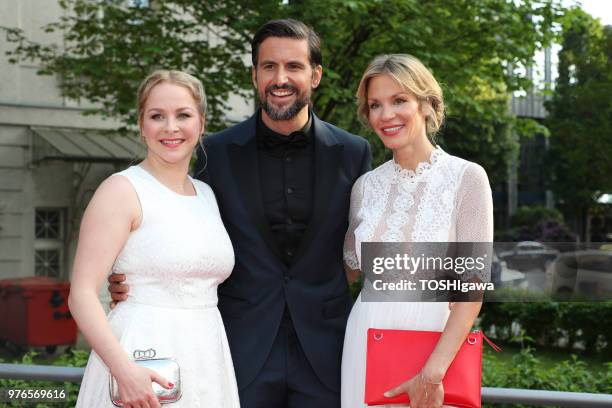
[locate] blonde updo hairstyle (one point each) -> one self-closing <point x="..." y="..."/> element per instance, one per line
<point x="180" y="78"/>
<point x="414" y="77"/>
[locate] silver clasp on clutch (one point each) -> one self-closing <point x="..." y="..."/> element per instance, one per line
<point x="378" y="336"/>
<point x="144" y="354"/>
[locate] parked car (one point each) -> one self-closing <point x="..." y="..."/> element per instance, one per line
<point x="582" y="274"/>
<point x="512" y="277"/>
<point x="529" y="255"/>
<point x="606" y="247"/>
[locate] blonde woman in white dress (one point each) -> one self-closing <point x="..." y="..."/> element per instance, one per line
<point x="162" y="229"/>
<point x="422" y="195"/>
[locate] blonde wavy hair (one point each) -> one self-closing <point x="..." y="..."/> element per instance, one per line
<point x="414" y="77"/>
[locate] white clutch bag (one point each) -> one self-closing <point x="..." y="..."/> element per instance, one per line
<point x="166" y="367"/>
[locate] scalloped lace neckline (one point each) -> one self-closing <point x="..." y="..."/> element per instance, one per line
<point x="400" y="173"/>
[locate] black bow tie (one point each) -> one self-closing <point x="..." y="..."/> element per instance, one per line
<point x="294" y="141"/>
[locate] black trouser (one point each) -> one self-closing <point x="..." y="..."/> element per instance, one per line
<point x="287" y="379"/>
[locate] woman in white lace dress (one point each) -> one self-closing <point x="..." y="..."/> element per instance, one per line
<point x="422" y="195"/>
<point x="163" y="230"/>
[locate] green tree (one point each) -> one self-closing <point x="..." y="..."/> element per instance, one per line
<point x="468" y="44"/>
<point x="580" y="119"/>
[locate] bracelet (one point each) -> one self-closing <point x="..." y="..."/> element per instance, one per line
<point x="429" y="381"/>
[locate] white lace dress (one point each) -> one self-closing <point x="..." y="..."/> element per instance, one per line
<point x="446" y="199"/>
<point x="174" y="262"/>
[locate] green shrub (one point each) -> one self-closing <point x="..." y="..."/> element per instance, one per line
<point x="536" y="223"/>
<point x="528" y="372"/>
<point x="586" y="325"/>
<point x="531" y="216"/>
<point x="72" y="358"/>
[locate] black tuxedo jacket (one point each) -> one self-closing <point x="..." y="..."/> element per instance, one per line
<point x="314" y="288"/>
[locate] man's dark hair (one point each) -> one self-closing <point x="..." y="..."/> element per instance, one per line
<point x="288" y="28"/>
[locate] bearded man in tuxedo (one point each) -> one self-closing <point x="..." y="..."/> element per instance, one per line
<point x="283" y="179"/>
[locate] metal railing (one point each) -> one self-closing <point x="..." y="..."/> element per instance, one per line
<point x="489" y="395"/>
<point x="41" y="372"/>
<point x="545" y="398"/>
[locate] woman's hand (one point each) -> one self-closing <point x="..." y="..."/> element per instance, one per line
<point x="135" y="387"/>
<point x="421" y="392"/>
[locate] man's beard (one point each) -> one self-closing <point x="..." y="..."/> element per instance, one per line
<point x="284" y="113"/>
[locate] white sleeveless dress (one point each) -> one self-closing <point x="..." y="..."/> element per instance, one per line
<point x="174" y="262"/>
<point x="446" y="199"/>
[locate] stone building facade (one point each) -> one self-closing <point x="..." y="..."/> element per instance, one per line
<point x="52" y="157"/>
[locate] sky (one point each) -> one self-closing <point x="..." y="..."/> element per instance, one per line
<point x="597" y="8"/>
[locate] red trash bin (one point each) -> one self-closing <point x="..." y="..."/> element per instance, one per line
<point x="34" y="312"/>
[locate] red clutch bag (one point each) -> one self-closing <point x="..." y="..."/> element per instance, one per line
<point x="395" y="356"/>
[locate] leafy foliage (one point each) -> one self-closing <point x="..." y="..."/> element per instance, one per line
<point x="580" y="113"/>
<point x="468" y="44"/>
<point x="529" y="216"/>
<point x="538" y="223"/>
<point x="73" y="358"/>
<point x="529" y="372"/>
<point x="586" y="324"/>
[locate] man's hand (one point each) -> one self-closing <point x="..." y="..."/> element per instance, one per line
<point x="117" y="289"/>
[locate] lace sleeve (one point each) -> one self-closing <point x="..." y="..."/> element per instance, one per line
<point x="350" y="253"/>
<point x="475" y="209"/>
<point x="475" y="206"/>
